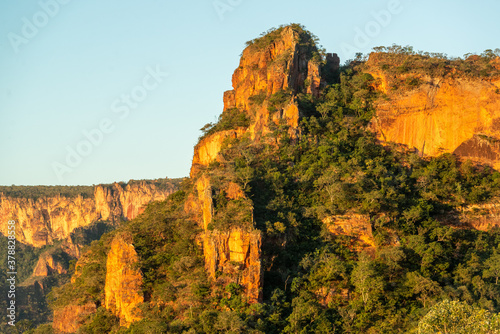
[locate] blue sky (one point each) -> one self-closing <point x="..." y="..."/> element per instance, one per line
<point x="101" y="91"/>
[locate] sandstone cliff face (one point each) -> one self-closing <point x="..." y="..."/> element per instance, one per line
<point x="40" y="222"/>
<point x="450" y="114"/>
<point x="235" y="252"/>
<point x="207" y="149"/>
<point x="482" y="217"/>
<point x="354" y="225"/>
<point x="123" y="280"/>
<point x="283" y="64"/>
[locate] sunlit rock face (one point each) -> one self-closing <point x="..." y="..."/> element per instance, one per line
<point x="449" y="114"/>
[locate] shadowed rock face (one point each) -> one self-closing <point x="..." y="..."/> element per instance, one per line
<point x="446" y="114"/>
<point x="42" y="221"/>
<point x="354" y="225"/>
<point x="47" y="265"/>
<point x="481" y="149"/>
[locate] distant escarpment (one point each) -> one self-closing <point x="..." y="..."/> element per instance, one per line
<point x="42" y="218"/>
<point x="55" y="224"/>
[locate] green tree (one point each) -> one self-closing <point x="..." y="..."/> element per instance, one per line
<point x="492" y="267"/>
<point x="455" y="317"/>
<point x="366" y="279"/>
<point x="425" y="288"/>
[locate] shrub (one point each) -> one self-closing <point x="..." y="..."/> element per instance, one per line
<point x="229" y="119"/>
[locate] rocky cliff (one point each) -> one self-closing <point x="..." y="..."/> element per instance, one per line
<point x="449" y="111"/>
<point x="43" y="220"/>
<point x="273" y="70"/>
<point x="356" y="226"/>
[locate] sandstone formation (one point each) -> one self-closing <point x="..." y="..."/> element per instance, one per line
<point x="42" y="221"/>
<point x="123" y="280"/>
<point x="448" y="114"/>
<point x="284" y="62"/>
<point x="208" y="148"/>
<point x="275" y="67"/>
<point x="238" y="253"/>
<point x="481" y="217"/>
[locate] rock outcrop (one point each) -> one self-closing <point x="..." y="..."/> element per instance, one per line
<point x="441" y="114"/>
<point x="207" y="150"/>
<point x="284" y="62"/>
<point x="238" y="253"/>
<point x="41" y="221"/>
<point x="235" y="252"/>
<point x="354" y="225"/>
<point x="482" y="217"/>
<point x="123" y="280"/>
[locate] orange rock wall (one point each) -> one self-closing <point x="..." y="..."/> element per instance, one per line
<point x="235" y="252"/>
<point x="208" y="148"/>
<point x="40" y="222"/>
<point x="439" y="115"/>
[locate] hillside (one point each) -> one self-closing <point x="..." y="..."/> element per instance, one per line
<point x="303" y="215"/>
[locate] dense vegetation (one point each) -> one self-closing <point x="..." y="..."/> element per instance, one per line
<point x="160" y="184"/>
<point x="35" y="192"/>
<point x="424" y="272"/>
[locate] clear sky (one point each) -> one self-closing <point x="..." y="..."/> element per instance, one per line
<point x="101" y="91"/>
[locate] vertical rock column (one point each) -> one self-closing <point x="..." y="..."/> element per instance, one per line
<point x="123" y="280"/>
